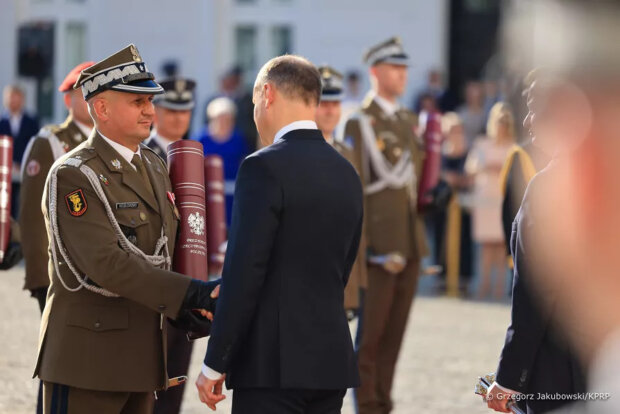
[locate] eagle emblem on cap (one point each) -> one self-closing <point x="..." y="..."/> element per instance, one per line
<point x="179" y="85"/>
<point x="135" y="54"/>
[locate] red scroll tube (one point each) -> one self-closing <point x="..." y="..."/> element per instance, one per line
<point x="6" y="167"/>
<point x="185" y="163"/>
<point x="432" y="163"/>
<point x="216" y="212"/>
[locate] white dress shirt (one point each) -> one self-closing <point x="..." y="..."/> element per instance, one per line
<point x="122" y="150"/>
<point x="388" y="107"/>
<point x="15" y="122"/>
<point x="162" y="141"/>
<point x="304" y="124"/>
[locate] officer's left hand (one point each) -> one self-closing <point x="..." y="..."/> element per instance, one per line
<point x="210" y="391"/>
<point x="12" y="256"/>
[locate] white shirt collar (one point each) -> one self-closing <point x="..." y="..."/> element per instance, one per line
<point x="162" y="141"/>
<point x="386" y="106"/>
<point x="122" y="150"/>
<point x="86" y="130"/>
<point x="305" y="124"/>
<point x="15" y="121"/>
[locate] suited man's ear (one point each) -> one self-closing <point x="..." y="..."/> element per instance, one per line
<point x="269" y="93"/>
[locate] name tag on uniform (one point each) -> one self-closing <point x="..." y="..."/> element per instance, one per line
<point x="133" y="204"/>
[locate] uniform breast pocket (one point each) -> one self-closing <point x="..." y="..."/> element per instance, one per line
<point x="132" y="224"/>
<point x="98" y="318"/>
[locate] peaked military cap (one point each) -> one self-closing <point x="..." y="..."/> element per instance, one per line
<point x="124" y="71"/>
<point x="391" y="51"/>
<point x="178" y="94"/>
<point x="332" y="81"/>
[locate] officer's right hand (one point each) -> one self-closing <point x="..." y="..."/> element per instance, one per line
<point x="201" y="295"/>
<point x="394" y="263"/>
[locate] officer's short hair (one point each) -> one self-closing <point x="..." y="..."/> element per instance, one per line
<point x="294" y="76"/>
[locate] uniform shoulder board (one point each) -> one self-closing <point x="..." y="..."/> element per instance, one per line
<point x="46" y="132"/>
<point x="73" y="162"/>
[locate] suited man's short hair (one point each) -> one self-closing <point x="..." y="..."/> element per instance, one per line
<point x="294" y="76"/>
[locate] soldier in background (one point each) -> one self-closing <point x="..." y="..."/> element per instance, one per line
<point x="47" y="146"/>
<point x="327" y="119"/>
<point x="390" y="155"/>
<point x="173" y="111"/>
<point x="173" y="114"/>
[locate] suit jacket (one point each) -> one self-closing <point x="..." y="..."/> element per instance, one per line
<point x="28" y="128"/>
<point x="41" y="153"/>
<point x="109" y="343"/>
<point x="296" y="225"/>
<point x="536" y="357"/>
<point x="157" y="149"/>
<point x="392" y="223"/>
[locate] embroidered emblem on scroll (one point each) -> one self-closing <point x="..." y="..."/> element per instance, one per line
<point x="76" y="203"/>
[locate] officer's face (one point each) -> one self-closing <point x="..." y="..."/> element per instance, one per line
<point x="391" y="79"/>
<point x="172" y="124"/>
<point x="129" y="116"/>
<point x="328" y="116"/>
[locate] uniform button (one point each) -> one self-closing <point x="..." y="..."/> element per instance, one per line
<point x="397" y="152"/>
<point x="142" y="216"/>
<point x="97" y="325"/>
<point x="162" y="307"/>
<point x="133" y="222"/>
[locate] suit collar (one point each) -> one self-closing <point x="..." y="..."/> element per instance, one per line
<point x="294" y="126"/>
<point x="119" y="165"/>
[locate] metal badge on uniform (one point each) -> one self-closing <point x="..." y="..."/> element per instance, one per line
<point x="116" y="164"/>
<point x="131" y="204"/>
<point x="104" y="180"/>
<point x="76" y="203"/>
<point x="33" y="168"/>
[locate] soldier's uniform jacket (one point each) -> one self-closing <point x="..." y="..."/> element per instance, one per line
<point x="88" y="340"/>
<point x="359" y="274"/>
<point x="391" y="220"/>
<point x="49" y="144"/>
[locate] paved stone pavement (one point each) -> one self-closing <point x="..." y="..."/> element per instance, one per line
<point x="449" y="342"/>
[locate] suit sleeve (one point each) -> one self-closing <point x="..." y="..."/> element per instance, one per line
<point x="34" y="240"/>
<point x="529" y="315"/>
<point x="93" y="246"/>
<point x="255" y="220"/>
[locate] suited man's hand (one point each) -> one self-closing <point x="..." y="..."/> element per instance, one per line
<point x="498" y="399"/>
<point x="395" y="263"/>
<point x="210" y="391"/>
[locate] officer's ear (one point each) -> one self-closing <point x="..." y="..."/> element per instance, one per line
<point x="99" y="108"/>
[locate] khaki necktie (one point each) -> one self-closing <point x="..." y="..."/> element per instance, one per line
<point x="137" y="162"/>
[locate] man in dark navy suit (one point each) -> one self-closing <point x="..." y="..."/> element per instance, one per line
<point x="538" y="358"/>
<point x="21" y="126"/>
<point x="280" y="336"/>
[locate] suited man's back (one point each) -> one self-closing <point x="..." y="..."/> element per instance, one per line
<point x="298" y="335"/>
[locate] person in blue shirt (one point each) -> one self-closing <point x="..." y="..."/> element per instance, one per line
<point x="222" y="138"/>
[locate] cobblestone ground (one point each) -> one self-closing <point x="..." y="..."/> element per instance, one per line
<point x="449" y="342"/>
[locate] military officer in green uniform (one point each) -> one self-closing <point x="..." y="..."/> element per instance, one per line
<point x="390" y="156"/>
<point x="112" y="225"/>
<point x="49" y="144"/>
<point x="327" y="119"/>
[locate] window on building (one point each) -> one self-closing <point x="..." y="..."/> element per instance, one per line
<point x="75" y="44"/>
<point x="245" y="47"/>
<point x="281" y="40"/>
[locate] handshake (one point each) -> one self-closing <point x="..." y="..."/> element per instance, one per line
<point x="198" y="308"/>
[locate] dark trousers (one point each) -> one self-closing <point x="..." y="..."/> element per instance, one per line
<point x="62" y="399"/>
<point x="279" y="401"/>
<point x="179" y="356"/>
<point x="40" y="295"/>
<point x="386" y="311"/>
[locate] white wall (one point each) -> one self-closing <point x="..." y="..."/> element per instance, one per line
<point x="200" y="33"/>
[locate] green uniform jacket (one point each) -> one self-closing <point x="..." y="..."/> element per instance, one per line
<point x="88" y="340"/>
<point x="38" y="160"/>
<point x="392" y="223"/>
